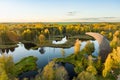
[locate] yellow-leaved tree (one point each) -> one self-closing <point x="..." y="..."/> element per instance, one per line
<point x="53" y="71"/>
<point x="27" y="35"/>
<point x="41" y="38"/>
<point x="77" y="46"/>
<point x="112" y="63"/>
<point x="116" y="40"/>
<point x="7" y="68"/>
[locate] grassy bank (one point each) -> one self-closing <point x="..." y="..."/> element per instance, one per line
<point x="26" y="64"/>
<point x="8" y="46"/>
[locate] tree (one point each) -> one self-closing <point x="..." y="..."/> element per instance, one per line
<point x="84" y="75"/>
<point x="110" y="35"/>
<point x="41" y="38"/>
<point x="116" y="40"/>
<point x="91" y="67"/>
<point x="4" y="38"/>
<point x="112" y="62"/>
<point x="4" y="76"/>
<point x="89" y="47"/>
<point x="7" y="68"/>
<point x="53" y="71"/>
<point x="48" y="72"/>
<point x="77" y="46"/>
<point x="12" y="36"/>
<point x="117" y="33"/>
<point x="27" y="35"/>
<point x="46" y="32"/>
<point x="60" y="29"/>
<point x="103" y="33"/>
<point x="61" y="73"/>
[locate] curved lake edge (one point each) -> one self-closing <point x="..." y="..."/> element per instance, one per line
<point x="48" y="45"/>
<point x="48" y="42"/>
<point x="8" y="46"/>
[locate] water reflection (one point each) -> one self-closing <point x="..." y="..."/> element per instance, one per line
<point x="64" y="40"/>
<point x="62" y="52"/>
<point x="47" y="53"/>
<point x="28" y="46"/>
<point x="42" y="50"/>
<point x="12" y="49"/>
<point x="7" y="50"/>
<point x="30" y="75"/>
<point x="44" y="54"/>
<point x="96" y="46"/>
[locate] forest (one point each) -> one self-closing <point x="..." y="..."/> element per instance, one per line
<point x="86" y="65"/>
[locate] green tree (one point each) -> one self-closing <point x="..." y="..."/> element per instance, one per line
<point x="89" y="47"/>
<point x="84" y="75"/>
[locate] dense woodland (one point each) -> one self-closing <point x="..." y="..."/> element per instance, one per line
<point x="11" y="32"/>
<point x="86" y="66"/>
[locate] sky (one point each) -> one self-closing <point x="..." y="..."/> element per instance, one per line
<point x="59" y="10"/>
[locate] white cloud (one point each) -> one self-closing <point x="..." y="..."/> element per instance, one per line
<point x="100" y="19"/>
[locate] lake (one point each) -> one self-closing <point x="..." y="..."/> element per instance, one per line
<point x="44" y="54"/>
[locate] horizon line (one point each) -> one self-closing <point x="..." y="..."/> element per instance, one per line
<point x="62" y="22"/>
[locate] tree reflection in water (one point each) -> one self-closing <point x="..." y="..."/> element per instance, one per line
<point x="12" y="49"/>
<point x="28" y="46"/>
<point x="41" y="50"/>
<point x="7" y="50"/>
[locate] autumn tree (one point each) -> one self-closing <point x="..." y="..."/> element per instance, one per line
<point x="13" y="36"/>
<point x="7" y="68"/>
<point x="41" y="38"/>
<point x="91" y="67"/>
<point x="103" y="33"/>
<point x="84" y="75"/>
<point x="116" y="40"/>
<point x="4" y="38"/>
<point x="26" y="35"/>
<point x="112" y="63"/>
<point x="46" y="33"/>
<point x="60" y="29"/>
<point x="77" y="46"/>
<point x="53" y="71"/>
<point x="110" y="35"/>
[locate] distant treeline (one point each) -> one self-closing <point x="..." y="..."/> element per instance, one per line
<point x="12" y="32"/>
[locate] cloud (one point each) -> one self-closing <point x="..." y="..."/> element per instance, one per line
<point x="89" y="18"/>
<point x="109" y="17"/>
<point x="99" y="19"/>
<point x="71" y="13"/>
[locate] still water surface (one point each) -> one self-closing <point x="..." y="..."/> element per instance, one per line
<point x="47" y="54"/>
